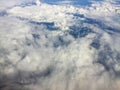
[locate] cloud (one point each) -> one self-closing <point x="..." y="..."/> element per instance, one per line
<point x="58" y="47"/>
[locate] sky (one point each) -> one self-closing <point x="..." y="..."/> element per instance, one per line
<point x="59" y="45"/>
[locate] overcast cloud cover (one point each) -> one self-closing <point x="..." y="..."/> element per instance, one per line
<point x="59" y="46"/>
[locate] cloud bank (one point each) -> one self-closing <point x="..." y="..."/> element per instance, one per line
<point x="59" y="47"/>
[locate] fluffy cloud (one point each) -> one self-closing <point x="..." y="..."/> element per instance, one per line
<point x="59" y="47"/>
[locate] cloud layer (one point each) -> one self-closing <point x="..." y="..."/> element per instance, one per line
<point x="59" y="47"/>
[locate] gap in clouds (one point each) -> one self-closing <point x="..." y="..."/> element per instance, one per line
<point x="70" y="2"/>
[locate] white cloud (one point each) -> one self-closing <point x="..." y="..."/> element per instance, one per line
<point x="39" y="49"/>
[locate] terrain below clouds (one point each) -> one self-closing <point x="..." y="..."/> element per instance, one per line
<point x="59" y="47"/>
